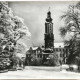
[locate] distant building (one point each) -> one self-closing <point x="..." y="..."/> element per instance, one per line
<point x="58" y="47"/>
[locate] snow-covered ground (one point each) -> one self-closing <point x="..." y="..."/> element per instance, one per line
<point x="32" y="72"/>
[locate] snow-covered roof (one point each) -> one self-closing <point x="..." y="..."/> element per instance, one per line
<point x="59" y="45"/>
<point x="34" y="48"/>
<point x="56" y="45"/>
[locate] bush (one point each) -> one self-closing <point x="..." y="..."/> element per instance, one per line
<point x="35" y="61"/>
<point x="53" y="60"/>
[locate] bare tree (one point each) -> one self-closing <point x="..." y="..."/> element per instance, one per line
<point x="72" y="25"/>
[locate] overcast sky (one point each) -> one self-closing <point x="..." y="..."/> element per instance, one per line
<point x="34" y="15"/>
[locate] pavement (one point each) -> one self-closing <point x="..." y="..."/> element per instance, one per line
<point x="34" y="72"/>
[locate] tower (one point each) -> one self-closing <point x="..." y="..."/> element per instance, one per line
<point x="49" y="36"/>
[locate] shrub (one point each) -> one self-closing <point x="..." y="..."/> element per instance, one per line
<point x="53" y="60"/>
<point x="35" y="61"/>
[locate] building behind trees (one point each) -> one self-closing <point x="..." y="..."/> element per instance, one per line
<point x="50" y="54"/>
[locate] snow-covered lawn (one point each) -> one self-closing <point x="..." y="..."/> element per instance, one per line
<point x="32" y="72"/>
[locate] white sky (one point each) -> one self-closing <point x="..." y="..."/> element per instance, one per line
<point x="34" y="14"/>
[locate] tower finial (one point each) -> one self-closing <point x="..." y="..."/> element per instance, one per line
<point x="49" y="8"/>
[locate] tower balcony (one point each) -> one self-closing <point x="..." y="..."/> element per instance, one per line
<point x="49" y="19"/>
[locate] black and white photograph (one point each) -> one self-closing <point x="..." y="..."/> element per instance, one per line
<point x="40" y="39"/>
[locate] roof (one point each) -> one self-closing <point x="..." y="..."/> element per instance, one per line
<point x="34" y="48"/>
<point x="59" y="45"/>
<point x="56" y="45"/>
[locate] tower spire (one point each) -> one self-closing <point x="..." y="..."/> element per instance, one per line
<point x="49" y="9"/>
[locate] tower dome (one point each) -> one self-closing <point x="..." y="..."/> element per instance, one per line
<point x="49" y="19"/>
